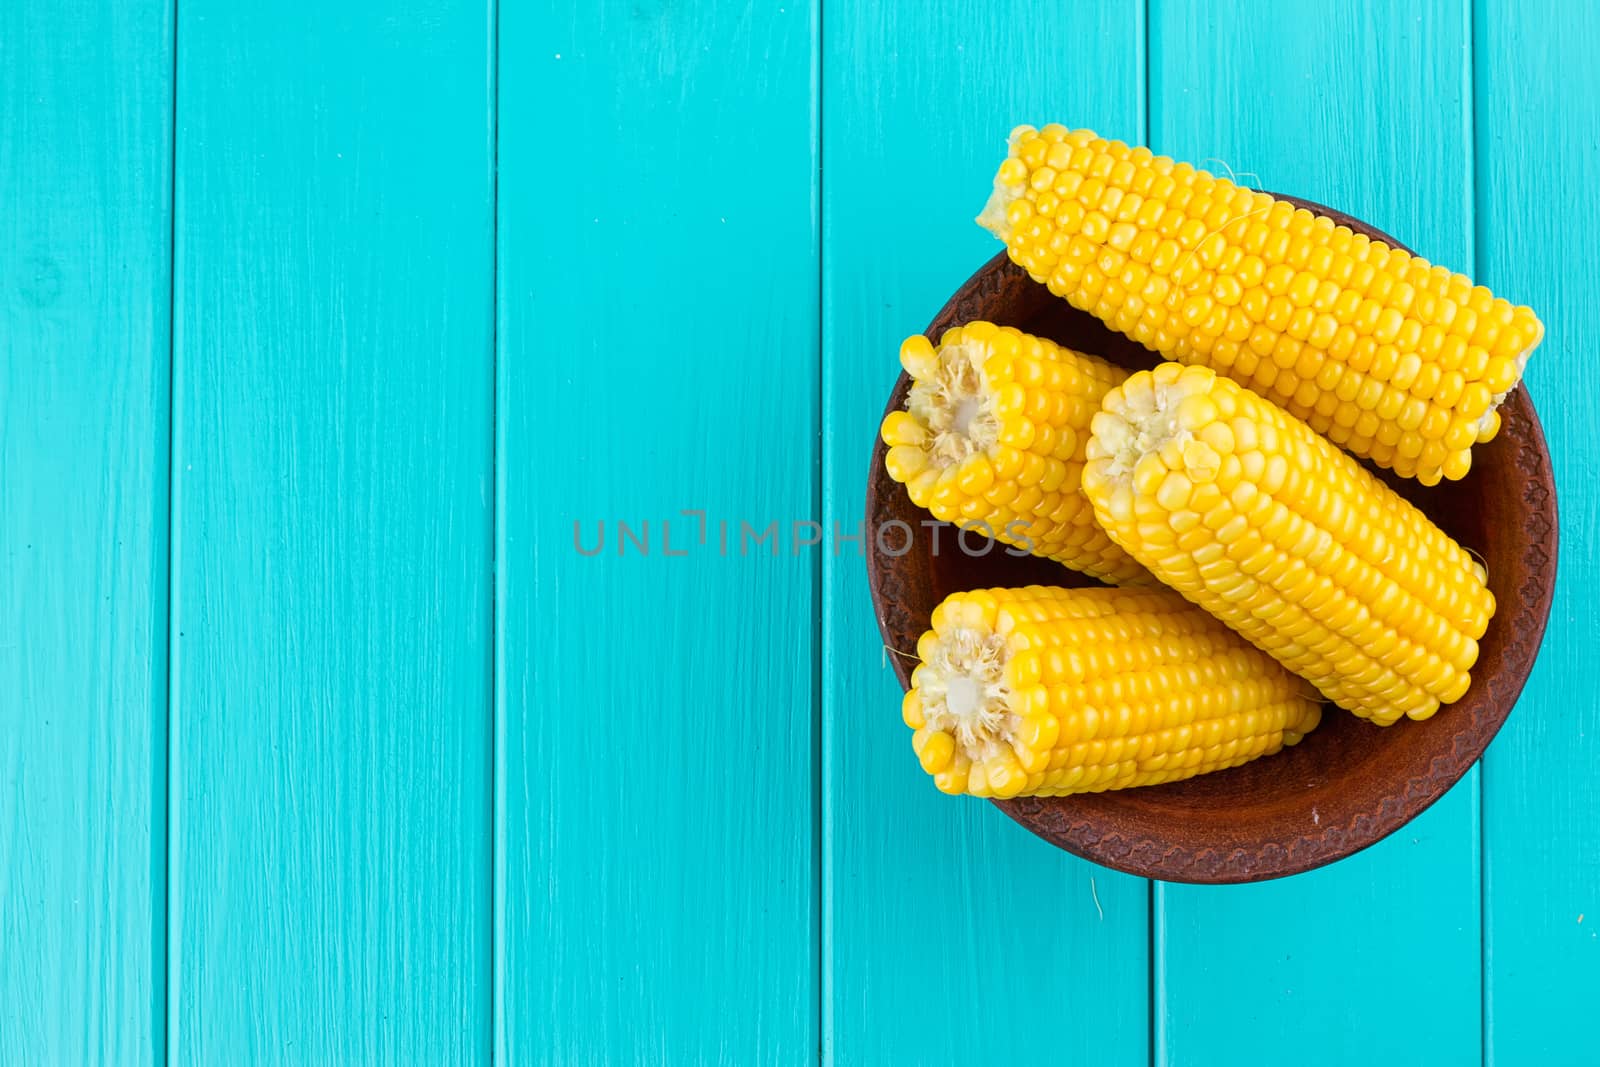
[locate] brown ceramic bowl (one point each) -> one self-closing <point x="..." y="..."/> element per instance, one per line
<point x="1348" y="784"/>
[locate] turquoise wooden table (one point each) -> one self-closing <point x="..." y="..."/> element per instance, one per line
<point x="335" y="336"/>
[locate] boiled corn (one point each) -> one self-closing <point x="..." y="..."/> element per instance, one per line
<point x="1393" y="358"/>
<point x="1045" y="692"/>
<point x="993" y="438"/>
<point x="1246" y="511"/>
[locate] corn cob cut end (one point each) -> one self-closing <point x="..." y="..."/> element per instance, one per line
<point x="993" y="437"/>
<point x="1149" y="440"/>
<point x="952" y="395"/>
<point x="969" y="727"/>
<point x="1048" y="692"/>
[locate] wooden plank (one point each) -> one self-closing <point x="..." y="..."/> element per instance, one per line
<point x="941" y="913"/>
<point x="85" y="168"/>
<point x="1538" y="93"/>
<point x="658" y="302"/>
<point x="331" y="707"/>
<point x="1365" y="107"/>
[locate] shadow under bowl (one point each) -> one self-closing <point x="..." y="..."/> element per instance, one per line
<point x="1349" y="784"/>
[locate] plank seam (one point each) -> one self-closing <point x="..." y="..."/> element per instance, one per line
<point x="499" y="1041"/>
<point x="497" y="598"/>
<point x="164" y="1050"/>
<point x="1473" y="117"/>
<point x="822" y="809"/>
<point x="1146" y="104"/>
<point x="1152" y="987"/>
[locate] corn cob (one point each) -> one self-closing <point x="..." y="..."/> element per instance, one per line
<point x="1395" y="359"/>
<point x="1246" y="511"/>
<point x="992" y="438"/>
<point x="1045" y="692"/>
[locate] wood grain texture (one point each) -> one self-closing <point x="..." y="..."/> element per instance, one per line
<point x="1366" y="108"/>
<point x="939" y="911"/>
<point x="330" y="805"/>
<point x="1538" y="103"/>
<point x="658" y="353"/>
<point x="85" y="149"/>
<point x="652" y="810"/>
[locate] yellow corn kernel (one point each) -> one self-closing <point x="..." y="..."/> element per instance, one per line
<point x="1308" y="295"/>
<point x="993" y="437"/>
<point x="1047" y="691"/>
<point x="1301" y="550"/>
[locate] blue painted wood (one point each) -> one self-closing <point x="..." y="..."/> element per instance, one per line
<point x="1538" y="103"/>
<point x="85" y="149"/>
<point x="686" y="871"/>
<point x="658" y="303"/>
<point x="1365" y="107"/>
<point x="950" y="934"/>
<point x="330" y="806"/>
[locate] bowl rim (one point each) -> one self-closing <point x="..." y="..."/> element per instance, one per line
<point x="1082" y="833"/>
